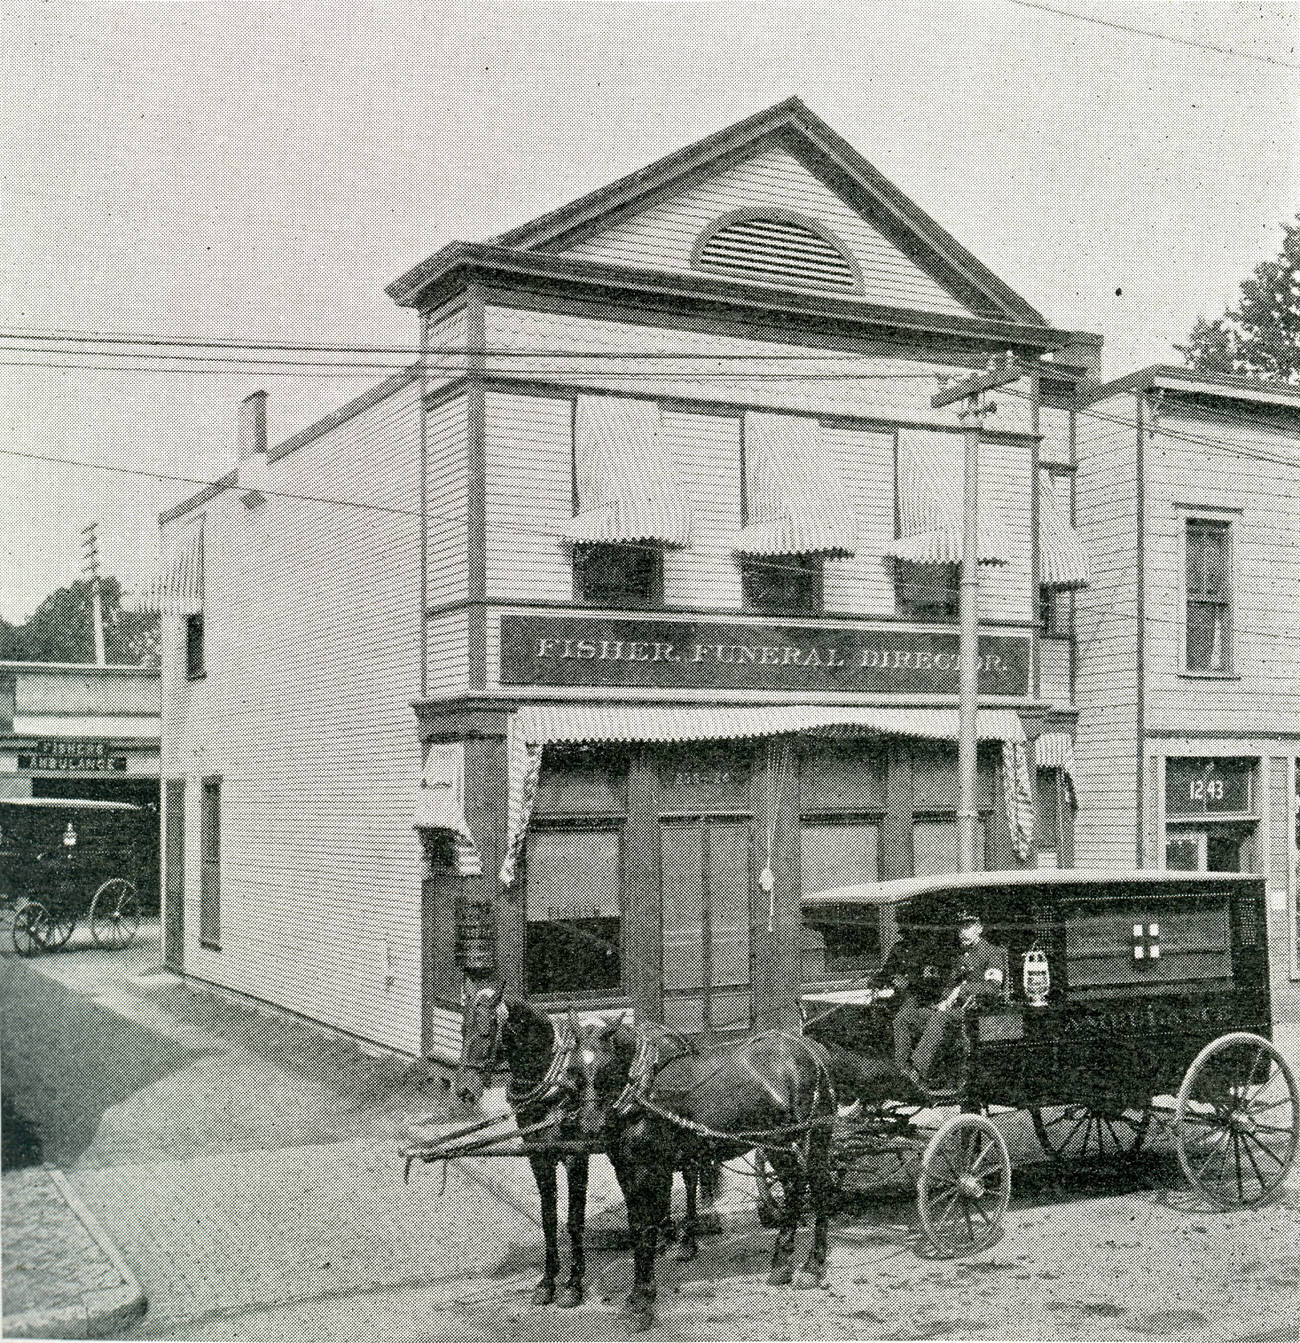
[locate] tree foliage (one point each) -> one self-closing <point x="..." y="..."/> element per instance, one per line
<point x="61" y="629"/>
<point x="1260" y="337"/>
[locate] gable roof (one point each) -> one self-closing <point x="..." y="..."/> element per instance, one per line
<point x="791" y="125"/>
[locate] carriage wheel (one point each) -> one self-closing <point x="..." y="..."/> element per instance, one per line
<point x="29" y="928"/>
<point x="1237" y="1121"/>
<point x="1079" y="1131"/>
<point x="114" y="914"/>
<point x="965" y="1186"/>
<point x="58" y="928"/>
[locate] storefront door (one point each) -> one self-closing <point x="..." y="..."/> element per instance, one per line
<point x="706" y="924"/>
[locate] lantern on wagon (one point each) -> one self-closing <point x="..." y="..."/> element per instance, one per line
<point x="1036" y="976"/>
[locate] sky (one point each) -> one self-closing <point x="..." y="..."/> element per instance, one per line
<point x="261" y="171"/>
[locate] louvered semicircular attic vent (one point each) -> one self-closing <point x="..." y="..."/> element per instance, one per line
<point x="775" y="248"/>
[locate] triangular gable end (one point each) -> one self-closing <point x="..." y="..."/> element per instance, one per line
<point x="778" y="199"/>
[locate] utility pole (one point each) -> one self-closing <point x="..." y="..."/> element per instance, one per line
<point x="90" y="567"/>
<point x="975" y="408"/>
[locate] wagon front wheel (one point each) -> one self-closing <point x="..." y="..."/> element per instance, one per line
<point x="1238" y="1121"/>
<point x="965" y="1186"/>
<point x="114" y="914"/>
<point x="30" y="926"/>
<point x="1079" y="1132"/>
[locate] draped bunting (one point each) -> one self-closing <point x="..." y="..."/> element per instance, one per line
<point x="628" y="484"/>
<point x="534" y="727"/>
<point x="797" y="503"/>
<point x="930" y="505"/>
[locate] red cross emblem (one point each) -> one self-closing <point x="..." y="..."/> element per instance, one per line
<point x="1146" y="941"/>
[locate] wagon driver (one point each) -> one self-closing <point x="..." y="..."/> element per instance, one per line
<point x="979" y="973"/>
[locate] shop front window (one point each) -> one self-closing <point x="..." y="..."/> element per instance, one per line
<point x="839" y="942"/>
<point x="936" y="846"/>
<point x="572" y="911"/>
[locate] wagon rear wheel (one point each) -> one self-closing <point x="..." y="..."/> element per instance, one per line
<point x="1237" y="1121"/>
<point x="114" y="914"/>
<point x="31" y="923"/>
<point x="58" y="928"/>
<point x="1080" y="1132"/>
<point x="965" y="1186"/>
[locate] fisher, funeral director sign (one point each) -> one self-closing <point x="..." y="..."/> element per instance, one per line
<point x="576" y="651"/>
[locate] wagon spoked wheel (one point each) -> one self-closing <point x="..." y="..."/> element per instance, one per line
<point x="114" y="914"/>
<point x="1237" y="1121"/>
<point x="58" y="928"/>
<point x="1080" y="1132"/>
<point x="30" y="925"/>
<point x="965" y="1186"/>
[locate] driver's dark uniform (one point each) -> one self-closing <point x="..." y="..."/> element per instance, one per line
<point x="912" y="971"/>
<point x="980" y="972"/>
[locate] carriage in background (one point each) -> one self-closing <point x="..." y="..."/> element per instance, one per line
<point x="64" y="859"/>
<point x="1134" y="999"/>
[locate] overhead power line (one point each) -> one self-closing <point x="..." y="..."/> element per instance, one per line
<point x="1154" y="33"/>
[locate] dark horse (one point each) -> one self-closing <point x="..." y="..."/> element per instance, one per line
<point x="552" y="1085"/>
<point x="772" y="1091"/>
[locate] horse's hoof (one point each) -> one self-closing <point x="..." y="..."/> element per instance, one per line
<point x="638" y="1321"/>
<point x="780" y="1277"/>
<point x="686" y="1251"/>
<point x="543" y="1294"/>
<point x="569" y="1296"/>
<point x="806" y="1278"/>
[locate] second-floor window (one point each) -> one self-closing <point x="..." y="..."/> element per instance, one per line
<point x="194" y="666"/>
<point x="927" y="591"/>
<point x="1208" y="645"/>
<point x="782" y="583"/>
<point x="1056" y="609"/>
<point x="618" y="575"/>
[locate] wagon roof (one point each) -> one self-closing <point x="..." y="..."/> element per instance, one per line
<point x="909" y="888"/>
<point x="68" y="804"/>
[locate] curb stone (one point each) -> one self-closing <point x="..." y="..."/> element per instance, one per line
<point x="99" y="1314"/>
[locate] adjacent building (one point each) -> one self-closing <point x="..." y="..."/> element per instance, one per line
<point x="577" y="650"/>
<point x="1188" y="655"/>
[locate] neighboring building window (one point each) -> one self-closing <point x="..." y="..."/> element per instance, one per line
<point x="785" y="583"/>
<point x="1209" y="596"/>
<point x="1056" y="609"/>
<point x="210" y="864"/>
<point x="618" y="575"/>
<point x="839" y="851"/>
<point x="571" y="902"/>
<point x="194" y="645"/>
<point x="1053" y="818"/>
<point x="927" y="591"/>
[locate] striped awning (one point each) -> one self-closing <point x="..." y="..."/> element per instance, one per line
<point x="930" y="479"/>
<point x="629" y="488"/>
<point x="1055" y="750"/>
<point x="796" y="500"/>
<point x="534" y="727"/>
<point x="178" y="588"/>
<point x="440" y="803"/>
<point x="1061" y="561"/>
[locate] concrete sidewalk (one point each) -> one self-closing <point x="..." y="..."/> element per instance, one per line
<point x="246" y="1166"/>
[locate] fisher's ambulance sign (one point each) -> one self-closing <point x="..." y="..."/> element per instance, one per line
<point x="577" y="651"/>
<point x="72" y="757"/>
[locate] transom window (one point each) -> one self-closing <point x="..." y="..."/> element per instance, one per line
<point x="1209" y="596"/>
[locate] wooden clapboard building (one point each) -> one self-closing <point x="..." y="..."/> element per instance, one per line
<point x="660" y="539"/>
<point x="1189" y="637"/>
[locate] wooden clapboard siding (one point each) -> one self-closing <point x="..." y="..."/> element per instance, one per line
<point x="1005" y="485"/>
<point x="868" y="387"/>
<point x="529" y="496"/>
<point x="1054" y="671"/>
<point x="1261" y="502"/>
<point x="707" y="448"/>
<point x="447" y="446"/>
<point x="1106" y="685"/>
<point x="1054" y="425"/>
<point x="663" y="235"/>
<point x="312" y="630"/>
<point x="448" y="651"/>
<point x="863" y="584"/>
